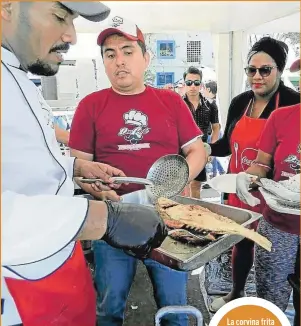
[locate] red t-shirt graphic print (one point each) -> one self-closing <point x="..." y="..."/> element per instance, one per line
<point x="131" y="132"/>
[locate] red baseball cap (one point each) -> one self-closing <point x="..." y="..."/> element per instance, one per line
<point x="119" y="25"/>
<point x="295" y="66"/>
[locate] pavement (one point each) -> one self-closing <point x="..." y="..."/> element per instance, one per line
<point x="141" y="307"/>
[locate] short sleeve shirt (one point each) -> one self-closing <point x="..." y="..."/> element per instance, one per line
<point x="131" y="132"/>
<point x="281" y="139"/>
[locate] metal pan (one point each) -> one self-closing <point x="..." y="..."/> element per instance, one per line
<point x="185" y="257"/>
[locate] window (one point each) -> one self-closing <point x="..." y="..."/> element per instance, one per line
<point x="164" y="78"/>
<point x="36" y="81"/>
<point x="194" y="51"/>
<point x="166" y="49"/>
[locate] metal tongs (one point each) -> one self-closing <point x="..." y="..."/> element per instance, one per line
<point x="184" y="231"/>
<point x="118" y="180"/>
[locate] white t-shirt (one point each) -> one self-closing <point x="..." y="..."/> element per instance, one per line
<point x="40" y="216"/>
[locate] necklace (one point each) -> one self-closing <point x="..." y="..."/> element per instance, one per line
<point x="252" y="107"/>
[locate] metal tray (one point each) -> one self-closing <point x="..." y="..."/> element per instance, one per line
<point x="185" y="257"/>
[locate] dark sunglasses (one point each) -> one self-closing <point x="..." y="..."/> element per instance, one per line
<point x="190" y="82"/>
<point x="263" y="71"/>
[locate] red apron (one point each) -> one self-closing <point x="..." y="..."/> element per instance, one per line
<point x="244" y="143"/>
<point x="64" y="298"/>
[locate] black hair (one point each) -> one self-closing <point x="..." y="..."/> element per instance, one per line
<point x="212" y="85"/>
<point x="277" y="50"/>
<point x="194" y="71"/>
<point x="140" y="43"/>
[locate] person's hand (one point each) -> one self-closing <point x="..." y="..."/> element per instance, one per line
<point x="243" y="182"/>
<point x="98" y="195"/>
<point x="137" y="229"/>
<point x="102" y="171"/>
<point x="108" y="195"/>
<point x="186" y="191"/>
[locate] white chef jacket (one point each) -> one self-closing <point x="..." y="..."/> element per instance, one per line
<point x="40" y="216"/>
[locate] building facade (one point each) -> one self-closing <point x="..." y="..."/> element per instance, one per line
<point x="172" y="54"/>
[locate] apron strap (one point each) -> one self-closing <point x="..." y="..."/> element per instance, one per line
<point x="248" y="106"/>
<point x="277" y="101"/>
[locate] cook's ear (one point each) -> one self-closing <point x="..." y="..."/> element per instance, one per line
<point x="6" y="10"/>
<point x="147" y="59"/>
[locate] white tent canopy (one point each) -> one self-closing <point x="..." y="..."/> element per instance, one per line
<point x="213" y="16"/>
<point x="229" y="22"/>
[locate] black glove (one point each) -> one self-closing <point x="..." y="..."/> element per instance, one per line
<point x="136" y="229"/>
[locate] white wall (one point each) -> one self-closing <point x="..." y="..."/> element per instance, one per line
<point x="86" y="47"/>
<point x="179" y="63"/>
<point x="84" y="51"/>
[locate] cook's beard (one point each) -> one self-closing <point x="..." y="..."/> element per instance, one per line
<point x="40" y="68"/>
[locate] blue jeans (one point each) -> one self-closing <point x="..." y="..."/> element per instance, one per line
<point x="114" y="275"/>
<point x="216" y="166"/>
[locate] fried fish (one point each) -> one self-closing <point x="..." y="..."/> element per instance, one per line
<point x="199" y="218"/>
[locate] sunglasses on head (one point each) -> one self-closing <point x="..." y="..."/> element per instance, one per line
<point x="263" y="71"/>
<point x="190" y="82"/>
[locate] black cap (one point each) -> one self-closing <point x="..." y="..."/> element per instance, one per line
<point x="94" y="11"/>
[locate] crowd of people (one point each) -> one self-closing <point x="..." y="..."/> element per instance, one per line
<point x="116" y="132"/>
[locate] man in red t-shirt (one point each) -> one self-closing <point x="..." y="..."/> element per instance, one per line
<point x="279" y="147"/>
<point x="130" y="126"/>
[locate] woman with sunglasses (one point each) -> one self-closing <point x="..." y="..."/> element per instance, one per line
<point x="247" y="116"/>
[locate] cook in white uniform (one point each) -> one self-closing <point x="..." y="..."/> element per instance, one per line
<point x="44" y="279"/>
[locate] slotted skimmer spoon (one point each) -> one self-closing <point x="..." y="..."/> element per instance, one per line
<point x="170" y="174"/>
<point x="167" y="177"/>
